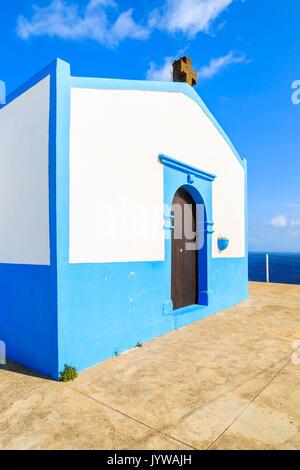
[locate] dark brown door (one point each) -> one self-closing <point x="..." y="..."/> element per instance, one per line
<point x="184" y="260"/>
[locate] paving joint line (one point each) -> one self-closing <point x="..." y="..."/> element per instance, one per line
<point x="248" y="404"/>
<point x="133" y="419"/>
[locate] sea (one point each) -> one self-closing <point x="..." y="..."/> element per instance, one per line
<point x="284" y="268"/>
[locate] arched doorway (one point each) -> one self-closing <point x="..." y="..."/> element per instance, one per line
<point x="184" y="277"/>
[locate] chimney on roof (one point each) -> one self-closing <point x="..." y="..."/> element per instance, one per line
<point x="183" y="72"/>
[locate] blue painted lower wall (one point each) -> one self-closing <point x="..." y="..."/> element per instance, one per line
<point x="28" y="318"/>
<point x="109" y="308"/>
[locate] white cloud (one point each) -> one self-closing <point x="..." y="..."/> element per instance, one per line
<point x="292" y="204"/>
<point x="279" y="221"/>
<point x="295" y="228"/>
<point x="66" y="20"/>
<point x="218" y="64"/>
<point x="163" y="73"/>
<point x="188" y="16"/>
<point x="125" y="27"/>
<point x="292" y="227"/>
<point x="295" y="223"/>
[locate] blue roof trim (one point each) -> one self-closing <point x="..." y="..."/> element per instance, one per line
<point x="174" y="87"/>
<point x="185" y="168"/>
<point x="50" y="68"/>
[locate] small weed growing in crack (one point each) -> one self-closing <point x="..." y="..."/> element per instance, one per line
<point x="68" y="374"/>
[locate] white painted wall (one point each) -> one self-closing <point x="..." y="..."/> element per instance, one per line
<point x="116" y="136"/>
<point x="24" y="195"/>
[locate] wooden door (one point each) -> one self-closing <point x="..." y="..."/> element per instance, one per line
<point x="184" y="290"/>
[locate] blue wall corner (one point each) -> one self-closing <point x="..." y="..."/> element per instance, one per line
<point x="28" y="294"/>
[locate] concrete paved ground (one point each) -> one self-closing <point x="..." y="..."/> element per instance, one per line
<point x="226" y="382"/>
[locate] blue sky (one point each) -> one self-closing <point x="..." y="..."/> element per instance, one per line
<point x="247" y="54"/>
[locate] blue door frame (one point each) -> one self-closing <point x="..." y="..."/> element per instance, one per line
<point x="199" y="184"/>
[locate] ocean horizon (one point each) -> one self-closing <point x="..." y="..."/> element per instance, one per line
<point x="284" y="267"/>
